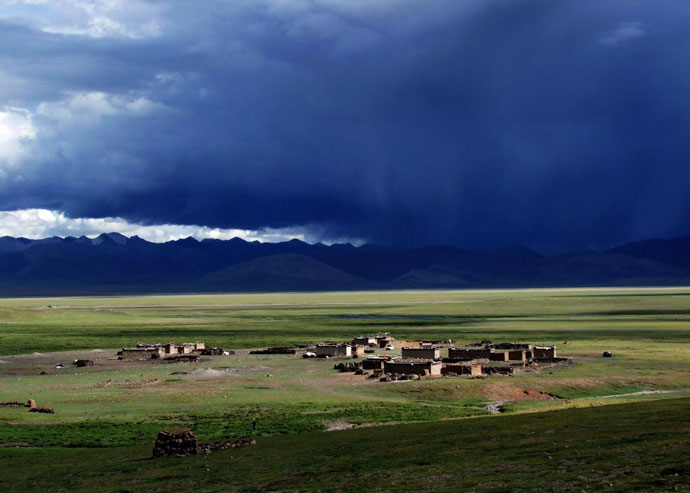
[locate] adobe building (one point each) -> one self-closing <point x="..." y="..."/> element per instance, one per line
<point x="187" y="348"/>
<point x="462" y="369"/>
<point x="517" y="355"/>
<point x="359" y="350"/>
<point x="469" y="353"/>
<point x="333" y="350"/>
<point x="364" y="341"/>
<point x="430" y="352"/>
<point x="499" y="356"/>
<point x="412" y="367"/>
<point x="544" y="352"/>
<point x="514" y="346"/>
<point x="376" y="362"/>
<point x="383" y="340"/>
<point x="141" y="353"/>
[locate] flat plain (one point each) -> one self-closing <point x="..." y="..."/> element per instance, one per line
<point x="619" y="423"/>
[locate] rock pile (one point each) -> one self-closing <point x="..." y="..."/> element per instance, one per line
<point x="177" y="442"/>
<point x="13" y="404"/>
<point x="182" y="358"/>
<point x="181" y="442"/>
<point x="347" y="367"/>
<point x="47" y="410"/>
<point x="398" y="377"/>
<point x="210" y="447"/>
<point x="215" y="351"/>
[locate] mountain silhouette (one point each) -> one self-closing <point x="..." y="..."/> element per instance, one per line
<point x="113" y="263"/>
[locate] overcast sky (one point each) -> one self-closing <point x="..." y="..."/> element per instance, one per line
<point x="478" y="123"/>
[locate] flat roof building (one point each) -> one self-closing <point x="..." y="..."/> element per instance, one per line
<point x="412" y="367"/>
<point x="469" y="353"/>
<point x="462" y="369"/>
<point x="544" y="352"/>
<point x="431" y="353"/>
<point x="333" y="350"/>
<point x="364" y="341"/>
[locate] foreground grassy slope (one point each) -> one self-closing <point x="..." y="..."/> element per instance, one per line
<point x="638" y="447"/>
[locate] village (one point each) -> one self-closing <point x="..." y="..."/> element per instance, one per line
<point x="377" y="357"/>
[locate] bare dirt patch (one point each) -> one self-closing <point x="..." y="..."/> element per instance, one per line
<point x="506" y="391"/>
<point x="338" y="424"/>
<point x="209" y="373"/>
<point x="502" y="393"/>
<point x="127" y="384"/>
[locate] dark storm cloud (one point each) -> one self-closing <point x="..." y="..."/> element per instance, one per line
<point x="561" y="123"/>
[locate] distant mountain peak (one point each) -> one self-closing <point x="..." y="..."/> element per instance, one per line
<point x="112" y="263"/>
<point x="112" y="238"/>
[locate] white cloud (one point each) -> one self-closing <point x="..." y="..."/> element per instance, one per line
<point x="93" y="18"/>
<point x="90" y="107"/>
<point x="625" y="32"/>
<point x="16" y="130"/>
<point x="44" y="223"/>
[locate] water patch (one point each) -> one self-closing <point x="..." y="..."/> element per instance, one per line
<point x="387" y="317"/>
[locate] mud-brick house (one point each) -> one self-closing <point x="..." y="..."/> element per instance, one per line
<point x="469" y="353"/>
<point x="141" y="353"/>
<point x="364" y="341"/>
<point x="461" y="369"/>
<point x="544" y="352"/>
<point x="383" y="340"/>
<point x="499" y="356"/>
<point x="376" y="362"/>
<point x="333" y="350"/>
<point x="514" y="346"/>
<point x="517" y="355"/>
<point x="412" y="367"/>
<point x="429" y="352"/>
<point x="186" y="348"/>
<point x="358" y="350"/>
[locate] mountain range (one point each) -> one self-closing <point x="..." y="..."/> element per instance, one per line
<point x="112" y="263"/>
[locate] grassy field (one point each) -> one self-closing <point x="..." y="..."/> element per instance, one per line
<point x="110" y="413"/>
<point x="593" y="449"/>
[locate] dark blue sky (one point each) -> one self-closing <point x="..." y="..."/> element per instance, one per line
<point x="479" y="123"/>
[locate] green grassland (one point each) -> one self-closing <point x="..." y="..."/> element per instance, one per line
<point x="107" y="416"/>
<point x="628" y="447"/>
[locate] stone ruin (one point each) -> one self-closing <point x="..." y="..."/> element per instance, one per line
<point x="177" y="442"/>
<point x="182" y="442"/>
<point x="33" y="408"/>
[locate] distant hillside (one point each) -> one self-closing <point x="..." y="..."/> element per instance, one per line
<point x="113" y="263"/>
<point x="672" y="252"/>
<point x="281" y="272"/>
